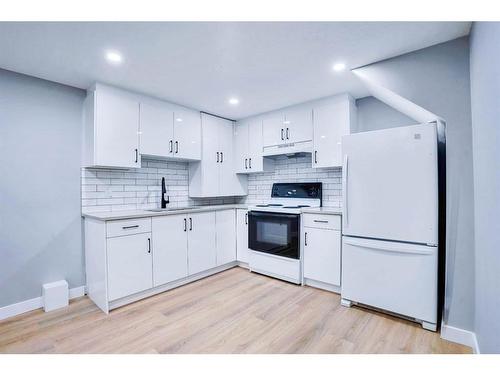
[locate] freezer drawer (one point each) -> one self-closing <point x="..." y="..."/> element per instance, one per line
<point x="394" y="276"/>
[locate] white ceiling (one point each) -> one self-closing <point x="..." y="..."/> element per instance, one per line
<point x="202" y="64"/>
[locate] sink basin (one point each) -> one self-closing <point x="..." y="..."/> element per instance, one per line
<point x="166" y="209"/>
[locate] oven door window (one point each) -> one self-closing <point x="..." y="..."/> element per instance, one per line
<point x="274" y="233"/>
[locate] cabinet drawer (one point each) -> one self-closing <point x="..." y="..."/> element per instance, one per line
<point x="129" y="226"/>
<point x="322" y="221"/>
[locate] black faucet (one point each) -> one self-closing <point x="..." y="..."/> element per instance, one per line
<point x="164" y="201"/>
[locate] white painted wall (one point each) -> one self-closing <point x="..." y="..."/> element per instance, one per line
<point x="485" y="93"/>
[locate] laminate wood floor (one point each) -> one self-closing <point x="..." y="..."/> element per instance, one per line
<point x="232" y="312"/>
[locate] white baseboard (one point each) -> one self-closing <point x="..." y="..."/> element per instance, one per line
<point x="33" y="304"/>
<point x="460" y="336"/>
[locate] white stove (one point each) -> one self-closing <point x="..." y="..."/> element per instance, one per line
<point x="274" y="230"/>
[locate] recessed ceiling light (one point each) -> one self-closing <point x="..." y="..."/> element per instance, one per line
<point x="178" y="119"/>
<point x="114" y="57"/>
<point x="233" y="101"/>
<point x="338" y="67"/>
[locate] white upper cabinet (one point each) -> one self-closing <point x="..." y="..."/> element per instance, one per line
<point x="157" y="131"/>
<point x="187" y="134"/>
<point x="288" y="130"/>
<point x="273" y="129"/>
<point x="215" y="174"/>
<point x="111" y="129"/>
<point x="248" y="140"/>
<point x="298" y="124"/>
<point x="332" y="118"/>
<point x="121" y="125"/>
<point x="170" y="131"/>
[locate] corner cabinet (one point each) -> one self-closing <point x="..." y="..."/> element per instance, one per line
<point x="215" y="175"/>
<point x="248" y="141"/>
<point x="111" y="128"/>
<point x="332" y="118"/>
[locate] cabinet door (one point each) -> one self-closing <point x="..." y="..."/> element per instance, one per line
<point x="322" y="255"/>
<point x="255" y="159"/>
<point x="241" y="142"/>
<point x="201" y="242"/>
<point x="116" y="142"/>
<point x="225" y="222"/>
<point x="210" y="162"/>
<point x="187" y="134"/>
<point x="242" y="235"/>
<point x="169" y="248"/>
<point x="298" y="124"/>
<point x="331" y="120"/>
<point x="130" y="267"/>
<point x="273" y="129"/>
<point x="230" y="184"/>
<point x="156" y="129"/>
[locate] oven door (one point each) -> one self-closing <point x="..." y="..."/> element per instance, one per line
<point x="274" y="233"/>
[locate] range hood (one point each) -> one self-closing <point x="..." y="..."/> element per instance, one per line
<point x="288" y="149"/>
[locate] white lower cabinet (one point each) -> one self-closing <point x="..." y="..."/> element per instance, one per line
<point x="170" y="248"/>
<point x="130" y="265"/>
<point x="225" y="222"/>
<point x="201" y="242"/>
<point x="242" y="235"/>
<point x="322" y="250"/>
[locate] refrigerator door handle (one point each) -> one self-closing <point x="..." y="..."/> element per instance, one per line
<point x="345" y="175"/>
<point x="393" y="247"/>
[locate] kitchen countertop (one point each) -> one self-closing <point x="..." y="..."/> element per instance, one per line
<point x="323" y="210"/>
<point x="132" y="214"/>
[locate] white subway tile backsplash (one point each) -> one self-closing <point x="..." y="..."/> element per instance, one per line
<point x="295" y="169"/>
<point x="112" y="190"/>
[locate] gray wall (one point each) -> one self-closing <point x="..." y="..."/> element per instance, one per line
<point x="40" y="224"/>
<point x="485" y="93"/>
<point x="375" y="115"/>
<point x="437" y="79"/>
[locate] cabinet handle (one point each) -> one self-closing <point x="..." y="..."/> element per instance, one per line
<point x="131" y="227"/>
<point x="321" y="221"/>
<point x="149" y="245"/>
<point x="190" y="224"/>
<point x="287" y="133"/>
<point x="246" y="218"/>
<point x="217" y="156"/>
<point x="171" y="146"/>
<point x="305" y="239"/>
<point x="282" y="137"/>
<point x="315" y="157"/>
<point x="246" y="163"/>
<point x="250" y="163"/>
<point x="136" y="155"/>
<point x="185" y="224"/>
<point x="221" y="157"/>
<point x="176" y="147"/>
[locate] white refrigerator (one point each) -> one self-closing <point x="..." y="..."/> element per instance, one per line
<point x="390" y="221"/>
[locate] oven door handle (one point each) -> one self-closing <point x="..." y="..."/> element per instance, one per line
<point x="258" y="214"/>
